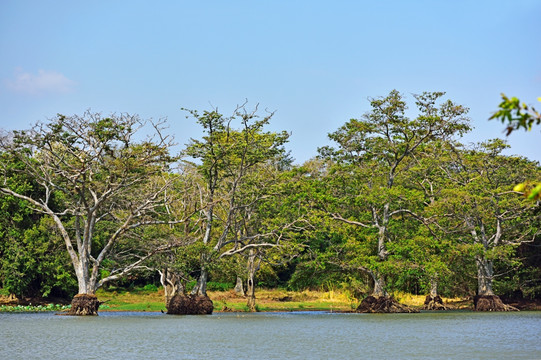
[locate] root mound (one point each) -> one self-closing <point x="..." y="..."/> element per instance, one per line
<point x="383" y="305"/>
<point x="83" y="305"/>
<point x="491" y="303"/>
<point x="434" y="303"/>
<point x="190" y="305"/>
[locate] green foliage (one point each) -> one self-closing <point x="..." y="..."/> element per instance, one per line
<point x="34" y="308"/>
<point x="398" y="200"/>
<point x="517" y="115"/>
<point x="150" y="288"/>
<point x="96" y="183"/>
<point x="32" y="260"/>
<point x="370" y="188"/>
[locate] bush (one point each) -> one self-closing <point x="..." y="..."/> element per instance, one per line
<point x="150" y="288"/>
<point x="217" y="286"/>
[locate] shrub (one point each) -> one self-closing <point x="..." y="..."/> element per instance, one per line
<point x="150" y="288"/>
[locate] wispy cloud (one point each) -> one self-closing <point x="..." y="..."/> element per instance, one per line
<point x="44" y="82"/>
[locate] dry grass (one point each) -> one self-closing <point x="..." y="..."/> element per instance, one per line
<point x="266" y="300"/>
<point x="283" y="300"/>
<point x="417" y="301"/>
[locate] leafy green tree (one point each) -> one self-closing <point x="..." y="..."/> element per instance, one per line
<point x="226" y="158"/>
<point x="374" y="153"/>
<point x="429" y="249"/>
<point x="486" y="215"/>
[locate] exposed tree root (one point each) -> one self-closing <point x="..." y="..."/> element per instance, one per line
<point x="434" y="303"/>
<point x="491" y="303"/>
<point x="190" y="305"/>
<point x="383" y="305"/>
<point x="84" y="305"/>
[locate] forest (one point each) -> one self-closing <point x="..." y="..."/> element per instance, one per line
<point x="397" y="202"/>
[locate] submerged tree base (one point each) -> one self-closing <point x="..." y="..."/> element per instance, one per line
<point x="190" y="305"/>
<point x="383" y="304"/>
<point x="434" y="303"/>
<point x="491" y="303"/>
<point x="84" y="305"/>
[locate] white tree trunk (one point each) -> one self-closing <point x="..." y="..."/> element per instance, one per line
<point x="172" y="284"/>
<point x="253" y="266"/>
<point x="82" y="272"/>
<point x="379" y="285"/>
<point x="434" y="285"/>
<point x="485" y="275"/>
<point x="201" y="287"/>
<point x="239" y="288"/>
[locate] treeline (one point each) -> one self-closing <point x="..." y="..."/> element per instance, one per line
<point x="398" y="203"/>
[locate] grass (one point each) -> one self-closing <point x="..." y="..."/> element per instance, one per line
<point x="266" y="300"/>
<point x="134" y="300"/>
<point x="152" y="299"/>
<point x="417" y="301"/>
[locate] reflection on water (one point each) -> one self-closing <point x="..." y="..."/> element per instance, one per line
<point x="302" y="335"/>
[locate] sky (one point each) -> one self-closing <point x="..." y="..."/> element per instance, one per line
<point x="315" y="63"/>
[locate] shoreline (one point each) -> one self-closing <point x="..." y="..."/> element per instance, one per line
<point x="267" y="300"/>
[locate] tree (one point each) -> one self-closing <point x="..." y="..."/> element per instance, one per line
<point x="372" y="157"/>
<point x="430" y="250"/>
<point x="485" y="214"/>
<point x="100" y="187"/>
<point x="225" y="158"/>
<point x="272" y="216"/>
<point x="176" y="264"/>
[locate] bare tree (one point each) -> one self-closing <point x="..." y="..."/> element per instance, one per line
<point x="101" y="186"/>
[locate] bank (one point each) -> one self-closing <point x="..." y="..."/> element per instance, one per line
<point x="267" y="300"/>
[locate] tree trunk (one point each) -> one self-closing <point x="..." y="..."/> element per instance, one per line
<point x="485" y="274"/>
<point x="200" y="287"/>
<point x="239" y="288"/>
<point x="172" y="285"/>
<point x="434" y="286"/>
<point x="85" y="302"/>
<point x="197" y="303"/>
<point x="433" y="301"/>
<point x="253" y="266"/>
<point x="379" y="301"/>
<point x="486" y="300"/>
<point x="379" y="285"/>
<point x="251" y="296"/>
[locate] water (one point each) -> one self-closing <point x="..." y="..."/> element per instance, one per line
<point x="300" y="335"/>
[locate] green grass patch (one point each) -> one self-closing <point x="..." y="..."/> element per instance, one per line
<point x="146" y="306"/>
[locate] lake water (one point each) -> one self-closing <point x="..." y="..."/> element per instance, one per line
<point x="297" y="335"/>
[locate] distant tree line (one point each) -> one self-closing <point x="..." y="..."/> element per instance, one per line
<point x="398" y="203"/>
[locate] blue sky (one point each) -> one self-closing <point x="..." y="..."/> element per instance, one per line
<point x="315" y="62"/>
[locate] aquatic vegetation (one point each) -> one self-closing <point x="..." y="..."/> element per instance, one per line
<point x="34" y="308"/>
<point x="38" y="308"/>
